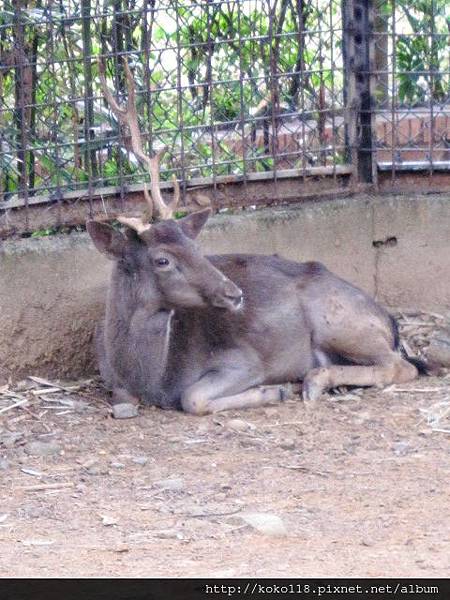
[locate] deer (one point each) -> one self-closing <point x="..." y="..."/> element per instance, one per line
<point x="204" y="334"/>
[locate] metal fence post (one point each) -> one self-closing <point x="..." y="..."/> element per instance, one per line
<point x="358" y="51"/>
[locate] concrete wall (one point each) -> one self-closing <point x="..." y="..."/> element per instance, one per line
<point x="52" y="290"/>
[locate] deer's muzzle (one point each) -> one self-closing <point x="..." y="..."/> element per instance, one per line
<point x="228" y="296"/>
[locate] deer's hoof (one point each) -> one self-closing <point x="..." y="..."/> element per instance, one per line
<point x="124" y="410"/>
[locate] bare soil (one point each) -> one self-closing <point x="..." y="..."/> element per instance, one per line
<point x="361" y="484"/>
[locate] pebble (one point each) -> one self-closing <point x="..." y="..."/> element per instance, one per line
<point x="203" y="428"/>
<point x="107" y="520"/>
<point x="124" y="410"/>
<point x="140" y="460"/>
<point x="174" y="484"/>
<point x="402" y="448"/>
<point x="38" y="542"/>
<point x="168" y="534"/>
<point x="266" y="523"/>
<point x="97" y="470"/>
<point x="238" y="425"/>
<point x="118" y="465"/>
<point x="438" y="351"/>
<point x="4" y="464"/>
<point x="42" y="448"/>
<point x="9" y="438"/>
<point x="288" y="444"/>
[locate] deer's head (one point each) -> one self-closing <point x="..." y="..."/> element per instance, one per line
<point x="162" y="256"/>
<point x="166" y="254"/>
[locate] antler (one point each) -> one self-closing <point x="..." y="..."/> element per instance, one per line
<point x="128" y="120"/>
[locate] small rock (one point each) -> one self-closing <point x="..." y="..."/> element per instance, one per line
<point x="175" y="484"/>
<point x="402" y="448"/>
<point x="80" y="406"/>
<point x="203" y="428"/>
<point x="42" y="448"/>
<point x="33" y="472"/>
<point x="124" y="410"/>
<point x="107" y="520"/>
<point x="38" y="542"/>
<point x="10" y="438"/>
<point x="220" y="496"/>
<point x="140" y="460"/>
<point x="3" y="517"/>
<point x="271" y="412"/>
<point x="438" y="352"/>
<point x="117" y="465"/>
<point x="266" y="523"/>
<point x="168" y="534"/>
<point x="238" y="425"/>
<point x="4" y="464"/>
<point x="251" y="443"/>
<point x="121" y="549"/>
<point x="24" y="385"/>
<point x="288" y="444"/>
<point x="97" y="470"/>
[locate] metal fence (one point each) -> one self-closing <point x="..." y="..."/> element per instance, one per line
<point x="238" y="90"/>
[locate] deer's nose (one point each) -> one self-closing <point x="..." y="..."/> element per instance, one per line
<point x="228" y="296"/>
<point x="236" y="299"/>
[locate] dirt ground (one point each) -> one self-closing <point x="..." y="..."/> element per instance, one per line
<point x="357" y="487"/>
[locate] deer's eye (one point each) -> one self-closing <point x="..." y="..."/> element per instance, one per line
<point x="161" y="262"/>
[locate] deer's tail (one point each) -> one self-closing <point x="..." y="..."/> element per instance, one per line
<point x="420" y="364"/>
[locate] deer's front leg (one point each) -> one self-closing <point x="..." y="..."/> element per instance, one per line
<point x="233" y="385"/>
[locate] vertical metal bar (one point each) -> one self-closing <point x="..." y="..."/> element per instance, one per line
<point x="274" y="92"/>
<point x="241" y="95"/>
<point x="55" y="123"/>
<point x="301" y="42"/>
<point x="333" y="92"/>
<point x="209" y="83"/>
<point x="117" y="49"/>
<point x="89" y="153"/>
<point x="180" y="119"/>
<point x="2" y="182"/>
<point x="321" y="116"/>
<point x="372" y="82"/>
<point x="349" y="91"/>
<point x="21" y="116"/>
<point x="432" y="87"/>
<point x="394" y="125"/>
<point x="359" y="99"/>
<point x="146" y="43"/>
<point x="362" y="41"/>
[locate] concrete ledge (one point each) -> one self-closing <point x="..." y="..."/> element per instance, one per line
<point x="52" y="290"/>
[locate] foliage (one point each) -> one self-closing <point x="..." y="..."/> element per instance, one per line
<point x="423" y="52"/>
<point x="213" y="78"/>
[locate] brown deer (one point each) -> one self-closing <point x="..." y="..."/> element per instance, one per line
<point x="210" y="333"/>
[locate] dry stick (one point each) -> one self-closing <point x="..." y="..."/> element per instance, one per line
<point x="46" y="486"/>
<point x="421" y="390"/>
<point x="305" y="470"/>
<point x="34" y="416"/>
<point x="205" y="515"/>
<point x="15" y="405"/>
<point x="50" y="384"/>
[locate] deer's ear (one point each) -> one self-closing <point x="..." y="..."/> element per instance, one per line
<point x="106" y="239"/>
<point x="192" y="224"/>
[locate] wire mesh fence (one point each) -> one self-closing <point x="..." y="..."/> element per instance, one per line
<point x="412" y="69"/>
<point x="233" y="88"/>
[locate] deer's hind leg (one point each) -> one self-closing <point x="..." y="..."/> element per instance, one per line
<point x="391" y="368"/>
